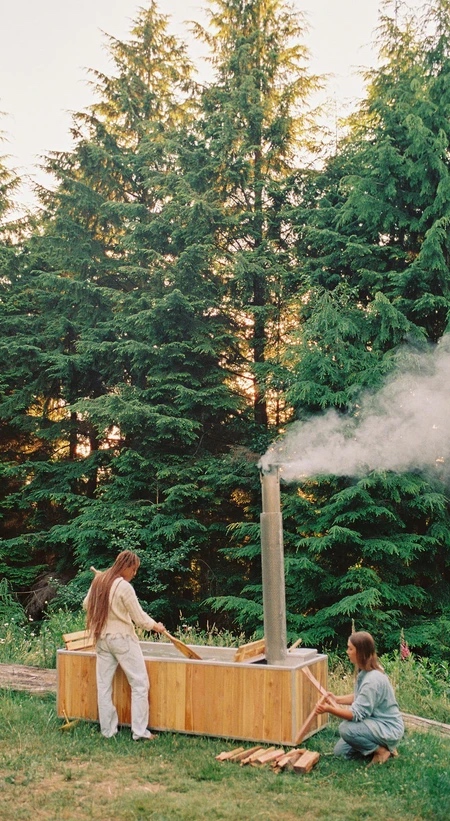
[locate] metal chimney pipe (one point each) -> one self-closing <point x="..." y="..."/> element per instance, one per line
<point x="272" y="559"/>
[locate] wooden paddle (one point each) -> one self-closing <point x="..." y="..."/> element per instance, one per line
<point x="183" y="648"/>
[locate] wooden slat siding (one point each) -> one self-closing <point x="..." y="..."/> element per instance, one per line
<point x="158" y="693"/>
<point x="177" y="694"/>
<point x="163" y="707"/>
<point x="189" y="706"/>
<point x="276" y="712"/>
<point x="236" y="702"/>
<point x="229" y="700"/>
<point x="254" y="703"/>
<point x="203" y="686"/>
<point x="287" y="697"/>
<point x="252" y="695"/>
<point x="212" y="699"/>
<point x="77" y="690"/>
<point x="172" y="684"/>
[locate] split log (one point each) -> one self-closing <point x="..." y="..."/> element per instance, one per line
<point x="227" y="755"/>
<point x="241" y="754"/>
<point x="287" y="761"/>
<point x="255" y="755"/>
<point x="248" y="758"/>
<point x="306" y="762"/>
<point x="268" y="757"/>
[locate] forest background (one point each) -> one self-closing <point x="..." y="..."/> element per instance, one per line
<point x="215" y="274"/>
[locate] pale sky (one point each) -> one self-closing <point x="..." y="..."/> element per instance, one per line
<point x="47" y="45"/>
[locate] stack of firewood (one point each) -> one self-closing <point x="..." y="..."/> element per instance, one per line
<point x="298" y="761"/>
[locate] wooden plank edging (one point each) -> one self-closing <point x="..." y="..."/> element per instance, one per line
<point x="426" y="723"/>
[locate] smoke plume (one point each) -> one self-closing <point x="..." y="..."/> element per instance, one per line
<point x="404" y="426"/>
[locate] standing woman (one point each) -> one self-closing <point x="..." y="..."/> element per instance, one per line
<point x="112" y="611"/>
<point x="372" y="720"/>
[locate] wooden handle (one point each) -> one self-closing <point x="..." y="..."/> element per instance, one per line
<point x="306" y="724"/>
<point x="313" y="680"/>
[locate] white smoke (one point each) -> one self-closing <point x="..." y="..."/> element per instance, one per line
<point x="404" y="426"/>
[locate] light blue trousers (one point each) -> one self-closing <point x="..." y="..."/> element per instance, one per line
<point x="114" y="650"/>
<point x="356" y="738"/>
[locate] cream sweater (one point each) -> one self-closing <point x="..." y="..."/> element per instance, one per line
<point x="124" y="610"/>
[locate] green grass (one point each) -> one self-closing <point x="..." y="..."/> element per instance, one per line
<point x="51" y="775"/>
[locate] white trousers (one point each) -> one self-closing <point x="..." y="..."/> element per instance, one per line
<point x="121" y="650"/>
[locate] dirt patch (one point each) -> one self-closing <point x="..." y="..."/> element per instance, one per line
<point x="37" y="680"/>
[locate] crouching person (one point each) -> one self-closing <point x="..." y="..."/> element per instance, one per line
<point x="373" y="725"/>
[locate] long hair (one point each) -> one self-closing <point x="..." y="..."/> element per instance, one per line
<point x="98" y="601"/>
<point x="366" y="655"/>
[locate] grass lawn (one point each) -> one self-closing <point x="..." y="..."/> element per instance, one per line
<point x="46" y="773"/>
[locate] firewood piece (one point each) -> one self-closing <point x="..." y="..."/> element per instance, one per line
<point x="306" y="762"/>
<point x="248" y="758"/>
<point x="240" y="753"/>
<point x="267" y="757"/>
<point x="288" y="758"/>
<point x="247" y="651"/>
<point x="226" y="755"/>
<point x="252" y="758"/>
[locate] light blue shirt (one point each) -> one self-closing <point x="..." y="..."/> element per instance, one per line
<point x="376" y="705"/>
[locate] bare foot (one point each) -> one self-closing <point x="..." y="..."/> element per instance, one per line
<point x="380" y="756"/>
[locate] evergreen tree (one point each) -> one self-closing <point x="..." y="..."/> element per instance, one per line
<point x="124" y="388"/>
<point x="374" y="240"/>
<point x="254" y="126"/>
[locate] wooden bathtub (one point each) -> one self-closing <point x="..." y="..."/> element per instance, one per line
<point x="249" y="701"/>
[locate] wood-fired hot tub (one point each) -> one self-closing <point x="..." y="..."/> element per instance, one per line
<point x="252" y="701"/>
